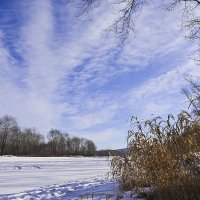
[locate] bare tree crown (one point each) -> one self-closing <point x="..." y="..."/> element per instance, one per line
<point x="129" y="10"/>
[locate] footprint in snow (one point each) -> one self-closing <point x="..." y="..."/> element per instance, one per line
<point x="17" y="167"/>
<point x="37" y="167"/>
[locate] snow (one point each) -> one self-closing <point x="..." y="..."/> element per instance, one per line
<point x="70" y="191"/>
<point x="67" y="178"/>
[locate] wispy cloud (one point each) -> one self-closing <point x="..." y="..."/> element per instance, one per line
<point x="57" y="70"/>
<point x="110" y="138"/>
<point x="162" y="95"/>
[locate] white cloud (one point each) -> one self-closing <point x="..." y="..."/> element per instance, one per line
<point x="67" y="67"/>
<point x="41" y="99"/>
<point x="106" y="138"/>
<point x="92" y="119"/>
<point x="159" y="35"/>
<point x="162" y="95"/>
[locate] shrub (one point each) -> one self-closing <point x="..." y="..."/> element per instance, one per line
<point x="162" y="155"/>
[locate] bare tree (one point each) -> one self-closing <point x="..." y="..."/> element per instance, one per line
<point x="13" y="141"/>
<point x="7" y="124"/>
<point x="31" y="141"/>
<point x="90" y="147"/>
<point x="75" y="145"/>
<point x="129" y="10"/>
<point x="54" y="137"/>
<point x="192" y="92"/>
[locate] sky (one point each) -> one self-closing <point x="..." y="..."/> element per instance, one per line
<point x="62" y="70"/>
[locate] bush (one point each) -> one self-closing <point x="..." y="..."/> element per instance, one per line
<point x="162" y="155"/>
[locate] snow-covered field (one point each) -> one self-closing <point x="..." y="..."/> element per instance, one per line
<point x="55" y="178"/>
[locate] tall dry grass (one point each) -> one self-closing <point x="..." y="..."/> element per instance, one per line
<point x="163" y="156"/>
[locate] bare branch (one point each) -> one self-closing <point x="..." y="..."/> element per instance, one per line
<point x="129" y="11"/>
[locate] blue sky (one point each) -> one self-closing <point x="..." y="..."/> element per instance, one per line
<point x="60" y="71"/>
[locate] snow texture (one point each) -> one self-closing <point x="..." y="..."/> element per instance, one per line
<point x="34" y="178"/>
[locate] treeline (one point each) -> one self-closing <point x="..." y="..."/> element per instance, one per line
<point x="110" y="152"/>
<point x="29" y="142"/>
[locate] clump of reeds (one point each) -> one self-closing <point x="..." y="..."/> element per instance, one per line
<point x="162" y="156"/>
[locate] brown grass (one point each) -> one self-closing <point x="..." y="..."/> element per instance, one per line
<point x="162" y="155"/>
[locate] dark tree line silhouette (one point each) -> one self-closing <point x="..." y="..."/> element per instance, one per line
<point x="29" y="142"/>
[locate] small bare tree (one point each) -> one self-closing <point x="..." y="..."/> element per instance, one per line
<point x="7" y="125"/>
<point x="192" y="92"/>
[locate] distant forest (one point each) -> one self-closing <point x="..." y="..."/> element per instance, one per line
<point x="29" y="142"/>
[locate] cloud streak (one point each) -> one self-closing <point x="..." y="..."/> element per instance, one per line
<point x="59" y="71"/>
